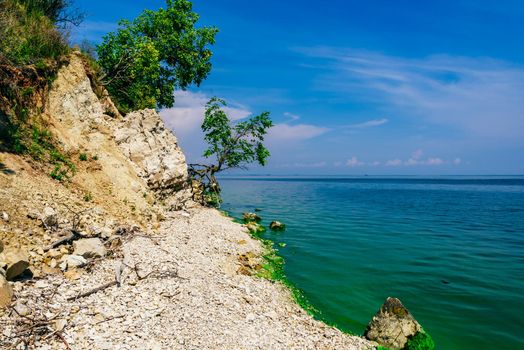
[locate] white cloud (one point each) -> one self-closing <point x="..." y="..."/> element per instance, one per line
<point x="296" y="132"/>
<point x="394" y="162"/>
<point x="416" y="159"/>
<point x="188" y="111"/>
<point x="480" y="97"/>
<point x="368" y="124"/>
<point x="353" y="162"/>
<point x="434" y="161"/>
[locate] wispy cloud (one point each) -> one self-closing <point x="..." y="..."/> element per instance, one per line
<point x="291" y="116"/>
<point x="186" y="117"/>
<point x="368" y="124"/>
<point x="480" y="97"/>
<point x="287" y="132"/>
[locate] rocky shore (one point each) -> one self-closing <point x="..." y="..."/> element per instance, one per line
<point x="177" y="289"/>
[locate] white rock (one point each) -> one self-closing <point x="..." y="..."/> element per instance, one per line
<point x="5" y="216"/>
<point x="89" y="248"/>
<point x="50" y="217"/>
<point x="22" y="309"/>
<point x="71" y="261"/>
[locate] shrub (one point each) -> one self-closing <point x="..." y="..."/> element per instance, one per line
<point x="28" y="36"/>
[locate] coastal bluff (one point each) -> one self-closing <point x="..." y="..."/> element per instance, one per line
<point x="118" y="256"/>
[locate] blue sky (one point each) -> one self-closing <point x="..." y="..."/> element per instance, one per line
<point x="360" y="87"/>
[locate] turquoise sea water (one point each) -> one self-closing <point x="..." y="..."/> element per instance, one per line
<point x="452" y="249"/>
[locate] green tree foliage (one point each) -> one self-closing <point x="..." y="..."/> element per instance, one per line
<point x="231" y="145"/>
<point x="147" y="58"/>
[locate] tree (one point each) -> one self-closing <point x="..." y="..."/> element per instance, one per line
<point x="146" y="59"/>
<point x="232" y="146"/>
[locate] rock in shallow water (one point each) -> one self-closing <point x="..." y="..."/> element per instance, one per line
<point x="277" y="226"/>
<point x="393" y="325"/>
<point x="251" y="217"/>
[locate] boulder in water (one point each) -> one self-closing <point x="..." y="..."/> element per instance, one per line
<point x="251" y="217"/>
<point x="255" y="228"/>
<point x="394" y="327"/>
<point x="277" y="226"/>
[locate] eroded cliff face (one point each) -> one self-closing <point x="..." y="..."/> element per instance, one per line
<point x="137" y="154"/>
<point x="130" y="172"/>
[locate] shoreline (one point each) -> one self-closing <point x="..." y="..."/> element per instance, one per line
<point x="192" y="294"/>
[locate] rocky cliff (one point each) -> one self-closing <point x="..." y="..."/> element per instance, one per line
<point x="136" y="152"/>
<point x="128" y="171"/>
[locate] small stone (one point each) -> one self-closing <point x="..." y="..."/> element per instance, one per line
<point x="6" y="292"/>
<point x="33" y="214"/>
<point x="50" y="218"/>
<point x="53" y="263"/>
<point x="16" y="261"/>
<point x="41" y="284"/>
<point x="59" y="325"/>
<point x="72" y="261"/>
<point x="89" y="248"/>
<point x="54" y="253"/>
<point x="72" y="274"/>
<point x="22" y="309"/>
<point x="5" y="216"/>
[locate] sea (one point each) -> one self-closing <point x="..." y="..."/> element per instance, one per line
<point x="450" y="248"/>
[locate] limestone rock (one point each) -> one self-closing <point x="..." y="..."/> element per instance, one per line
<point x="393" y="325"/>
<point x="6" y="292"/>
<point x="154" y="152"/>
<point x="22" y="309"/>
<point x="72" y="261"/>
<point x="5" y="216"/>
<point x="277" y="226"/>
<point x="15" y="261"/>
<point x="89" y="248"/>
<point x="50" y="218"/>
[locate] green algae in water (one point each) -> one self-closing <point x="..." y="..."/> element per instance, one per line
<point x="421" y="341"/>
<point x="273" y="270"/>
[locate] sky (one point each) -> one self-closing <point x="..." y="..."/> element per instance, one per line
<point x="372" y="87"/>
